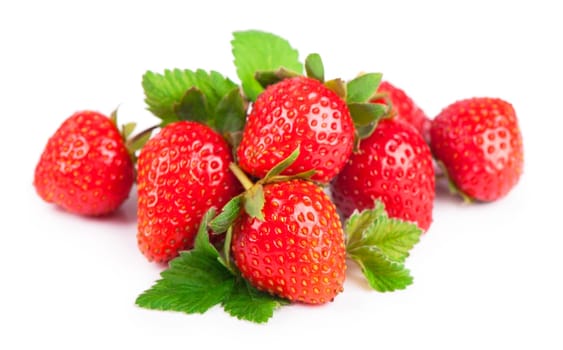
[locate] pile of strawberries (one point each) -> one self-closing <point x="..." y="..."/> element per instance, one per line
<point x="257" y="193"/>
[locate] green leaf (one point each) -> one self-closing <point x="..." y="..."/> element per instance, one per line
<point x="253" y="201"/>
<point x="363" y="87"/>
<point x="247" y="303"/>
<point x="230" y="113"/>
<point x="382" y="274"/>
<point x="228" y="215"/>
<point x="366" y="113"/>
<point x="358" y="223"/>
<point x="192" y="106"/>
<point x="254" y="51"/>
<point x="314" y="67"/>
<point x="380" y="245"/>
<point x="194" y="282"/>
<point x="164" y="91"/>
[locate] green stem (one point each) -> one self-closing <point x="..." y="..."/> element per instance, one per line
<point x="241" y="176"/>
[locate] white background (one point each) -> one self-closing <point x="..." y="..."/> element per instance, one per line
<point x="487" y="276"/>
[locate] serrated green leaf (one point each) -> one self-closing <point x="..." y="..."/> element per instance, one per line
<point x="359" y="222"/>
<point x="314" y="67"/>
<point x="247" y="303"/>
<point x="394" y="237"/>
<point x="363" y="87"/>
<point x="228" y="215"/>
<point x="366" y="113"/>
<point x="380" y="245"/>
<point x="193" y="106"/>
<point x="373" y="228"/>
<point x="230" y="113"/>
<point x="382" y="274"/>
<point x="164" y="91"/>
<point x="254" y="51"/>
<point x="194" y="282"/>
<point x="253" y="202"/>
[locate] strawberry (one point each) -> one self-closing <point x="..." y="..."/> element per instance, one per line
<point x="85" y="167"/>
<point x="479" y="144"/>
<point x="393" y="164"/>
<point x="403" y="107"/>
<point x="182" y="172"/>
<point x="303" y="112"/>
<point x="296" y="251"/>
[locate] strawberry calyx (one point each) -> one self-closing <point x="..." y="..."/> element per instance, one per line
<point x="133" y="143"/>
<point x="252" y="199"/>
<point x="357" y="93"/>
<point x="452" y="187"/>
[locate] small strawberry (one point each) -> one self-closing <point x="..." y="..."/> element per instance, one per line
<point x="403" y="107"/>
<point x="479" y="144"/>
<point x="85" y="167"/>
<point x="182" y="172"/>
<point x="298" y="111"/>
<point x="296" y="251"/>
<point x="393" y="164"/>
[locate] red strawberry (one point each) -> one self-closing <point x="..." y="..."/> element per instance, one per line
<point x="404" y="107"/>
<point x="479" y="143"/>
<point x="393" y="164"/>
<point x="182" y="172"/>
<point x="297" y="252"/>
<point x="85" y="167"/>
<point x="295" y="112"/>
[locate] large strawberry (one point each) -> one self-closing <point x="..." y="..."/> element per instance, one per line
<point x="182" y="172"/>
<point x="301" y="112"/>
<point x="479" y="144"/>
<point x="296" y="251"/>
<point x="393" y="164"/>
<point x="85" y="167"/>
<point x="403" y="107"/>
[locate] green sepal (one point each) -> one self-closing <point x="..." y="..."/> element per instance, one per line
<point x="338" y="86"/>
<point x="230" y="113"/>
<point x="452" y="187"/>
<point x="271" y="77"/>
<point x="366" y="113"/>
<point x="227" y="216"/>
<point x="363" y="87"/>
<point x="253" y="201"/>
<point x="314" y="67"/>
<point x="127" y="129"/>
<point x="193" y="107"/>
<point x="284" y="164"/>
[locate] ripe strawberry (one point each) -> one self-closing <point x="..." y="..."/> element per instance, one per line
<point x="479" y="143"/>
<point x="182" y="172"/>
<point x="393" y="164"/>
<point x="295" y="112"/>
<point x="404" y="107"/>
<point x="85" y="167"/>
<point x="297" y="252"/>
